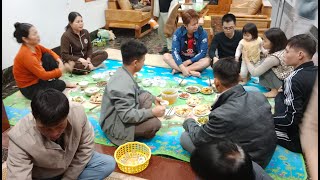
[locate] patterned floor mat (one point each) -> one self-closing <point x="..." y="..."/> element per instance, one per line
<point x="284" y="164"/>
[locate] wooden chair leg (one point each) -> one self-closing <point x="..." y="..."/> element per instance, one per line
<point x="106" y="26"/>
<point x="137" y="33"/>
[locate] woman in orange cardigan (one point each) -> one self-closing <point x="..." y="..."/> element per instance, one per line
<point x="35" y="67"/>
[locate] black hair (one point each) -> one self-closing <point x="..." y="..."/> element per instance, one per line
<point x="22" y="30"/>
<point x="304" y="42"/>
<point x="227" y="71"/>
<point x="277" y="38"/>
<point x="252" y="29"/>
<point x="50" y="107"/>
<point x="71" y="17"/>
<point x="220" y="161"/>
<point x="228" y="18"/>
<point x="132" y="50"/>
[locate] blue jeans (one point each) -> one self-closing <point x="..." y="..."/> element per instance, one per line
<point x="99" y="167"/>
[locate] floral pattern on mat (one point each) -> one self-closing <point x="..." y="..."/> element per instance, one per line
<point x="284" y="164"/>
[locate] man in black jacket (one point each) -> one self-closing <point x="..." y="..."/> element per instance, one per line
<point x="225" y="42"/>
<point x="242" y="117"/>
<point x="292" y="102"/>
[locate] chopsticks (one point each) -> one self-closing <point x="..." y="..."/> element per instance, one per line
<point x="94" y="107"/>
<point x="210" y="84"/>
<point x="166" y="116"/>
<point x="181" y="81"/>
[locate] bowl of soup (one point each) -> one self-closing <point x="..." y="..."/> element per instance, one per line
<point x="170" y="94"/>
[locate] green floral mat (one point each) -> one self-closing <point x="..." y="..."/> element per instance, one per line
<point x="284" y="164"/>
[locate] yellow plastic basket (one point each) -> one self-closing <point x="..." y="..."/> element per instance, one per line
<point x="132" y="157"/>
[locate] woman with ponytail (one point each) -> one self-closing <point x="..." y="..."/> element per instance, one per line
<point x="35" y="67"/>
<point x="76" y="48"/>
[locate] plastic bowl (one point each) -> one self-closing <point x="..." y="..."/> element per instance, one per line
<point x="170" y="94"/>
<point x="91" y="91"/>
<point x="83" y="84"/>
<point x="96" y="77"/>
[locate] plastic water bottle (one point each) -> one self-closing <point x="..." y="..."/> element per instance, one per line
<point x="153" y="24"/>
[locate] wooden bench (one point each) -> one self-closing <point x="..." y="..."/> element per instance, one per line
<point x="240" y="9"/>
<point x="262" y="19"/>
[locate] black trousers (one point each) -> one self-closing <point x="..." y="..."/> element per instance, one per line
<point x="48" y="63"/>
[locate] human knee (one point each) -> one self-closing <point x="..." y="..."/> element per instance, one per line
<point x="157" y="124"/>
<point x="108" y="164"/>
<point x="166" y="57"/>
<point x="105" y="54"/>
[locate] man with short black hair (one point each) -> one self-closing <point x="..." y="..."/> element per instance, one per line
<point x="126" y="111"/>
<point x="225" y="160"/>
<point x="297" y="88"/>
<point x="237" y="115"/>
<point x="55" y="142"/>
<point x="227" y="41"/>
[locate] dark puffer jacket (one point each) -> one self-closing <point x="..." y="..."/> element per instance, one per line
<point x="242" y="117"/>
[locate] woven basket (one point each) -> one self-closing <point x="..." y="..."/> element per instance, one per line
<point x="132" y="157"/>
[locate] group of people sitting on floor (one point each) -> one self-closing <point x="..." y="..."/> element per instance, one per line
<point x="56" y="140"/>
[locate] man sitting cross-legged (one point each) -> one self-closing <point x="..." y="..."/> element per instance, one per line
<point x="237" y="115"/>
<point x="55" y="142"/>
<point x="126" y="112"/>
<point x="189" y="47"/>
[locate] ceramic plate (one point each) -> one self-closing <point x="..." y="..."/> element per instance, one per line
<point x="192" y="89"/>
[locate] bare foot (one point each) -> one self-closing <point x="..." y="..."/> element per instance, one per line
<point x="91" y="67"/>
<point x="70" y="85"/>
<point x="195" y="73"/>
<point x="271" y="94"/>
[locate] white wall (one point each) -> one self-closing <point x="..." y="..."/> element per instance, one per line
<point x="49" y="17"/>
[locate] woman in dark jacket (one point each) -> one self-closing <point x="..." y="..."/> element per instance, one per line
<point x="76" y="47"/>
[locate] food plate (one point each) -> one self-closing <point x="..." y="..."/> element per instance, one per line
<point x="202" y="110"/>
<point x="91" y="91"/>
<point x="193" y="101"/>
<point x="182" y="111"/>
<point x="78" y="99"/>
<point x="184" y="95"/>
<point x="192" y="89"/>
<point x="102" y="83"/>
<point x="96" y="99"/>
<point x="206" y="90"/>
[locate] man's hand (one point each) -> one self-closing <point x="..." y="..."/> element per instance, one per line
<point x="192" y="116"/>
<point x="157" y="101"/>
<point x="280" y="89"/>
<point x="187" y="63"/>
<point x="215" y="59"/>
<point x="158" y="111"/>
<point x="184" y="70"/>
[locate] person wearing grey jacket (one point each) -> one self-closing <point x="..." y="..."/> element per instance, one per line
<point x="242" y="117"/>
<point x="126" y="112"/>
